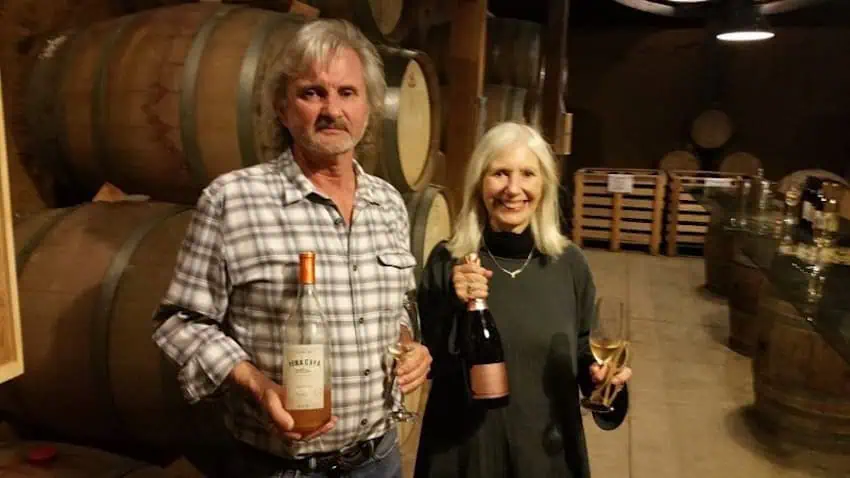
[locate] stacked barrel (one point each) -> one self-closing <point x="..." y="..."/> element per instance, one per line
<point x="159" y="103"/>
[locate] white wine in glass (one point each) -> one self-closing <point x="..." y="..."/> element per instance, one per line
<point x="604" y="349"/>
<point x="609" y="343"/>
<point x="395" y="352"/>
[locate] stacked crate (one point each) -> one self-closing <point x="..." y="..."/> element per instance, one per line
<point x="620" y="206"/>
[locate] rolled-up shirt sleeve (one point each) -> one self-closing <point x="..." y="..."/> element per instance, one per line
<point x="190" y="321"/>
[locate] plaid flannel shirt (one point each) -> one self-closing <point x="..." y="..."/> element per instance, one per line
<point x="238" y="269"/>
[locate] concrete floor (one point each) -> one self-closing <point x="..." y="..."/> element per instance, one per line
<point x="690" y="414"/>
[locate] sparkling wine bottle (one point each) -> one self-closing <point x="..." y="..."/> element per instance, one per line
<point x="485" y="356"/>
<point x="306" y="354"/>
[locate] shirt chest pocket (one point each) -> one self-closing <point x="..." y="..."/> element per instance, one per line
<point x="395" y="270"/>
<point x="266" y="287"/>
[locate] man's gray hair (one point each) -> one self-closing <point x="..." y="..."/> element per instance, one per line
<point x="320" y="40"/>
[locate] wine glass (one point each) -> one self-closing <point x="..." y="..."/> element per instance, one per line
<point x="609" y="343"/>
<point x="395" y="353"/>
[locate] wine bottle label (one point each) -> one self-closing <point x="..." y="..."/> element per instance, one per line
<point x="489" y="380"/>
<point x="304" y="376"/>
<point x="808" y="211"/>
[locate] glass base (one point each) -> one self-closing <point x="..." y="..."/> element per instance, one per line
<point x="402" y="415"/>
<point x="597" y="407"/>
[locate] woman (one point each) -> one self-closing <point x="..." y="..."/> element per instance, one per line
<point x="541" y="292"/>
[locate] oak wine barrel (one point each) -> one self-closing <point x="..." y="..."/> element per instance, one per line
<point x="679" y="160"/>
<point x="801" y="384"/>
<point x="73" y="461"/>
<point x="718" y="251"/>
<point x="745" y="281"/>
<point x="408" y="135"/>
<point x="163" y="101"/>
<point x="740" y="162"/>
<point x="90" y="278"/>
<point x="711" y="129"/>
<point x="512" y="54"/>
<point x="383" y="21"/>
<point x="24" y="24"/>
<point x="430" y="222"/>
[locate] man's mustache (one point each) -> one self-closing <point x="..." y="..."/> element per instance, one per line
<point x="328" y="122"/>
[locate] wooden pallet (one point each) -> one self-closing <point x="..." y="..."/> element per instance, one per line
<point x="687" y="219"/>
<point x="617" y="217"/>
<point x="11" y="345"/>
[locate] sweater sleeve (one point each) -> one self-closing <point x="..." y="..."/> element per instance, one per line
<point x="586" y="312"/>
<point x="439" y="310"/>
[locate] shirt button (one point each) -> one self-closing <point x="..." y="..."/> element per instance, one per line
<point x="364" y="422"/>
<point x="360" y="320"/>
<point x="367" y="372"/>
<point x="354" y="267"/>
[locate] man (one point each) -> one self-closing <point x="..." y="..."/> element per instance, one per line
<point x="222" y="318"/>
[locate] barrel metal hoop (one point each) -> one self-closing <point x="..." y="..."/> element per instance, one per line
<point x="100" y="95"/>
<point x="248" y="86"/>
<point x="188" y="95"/>
<point x="396" y="62"/>
<point x="102" y="316"/>
<point x="26" y="250"/>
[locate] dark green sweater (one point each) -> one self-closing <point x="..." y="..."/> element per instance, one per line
<point x="544" y="316"/>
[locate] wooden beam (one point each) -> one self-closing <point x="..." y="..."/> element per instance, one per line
<point x="555" y="82"/>
<point x="466" y="70"/>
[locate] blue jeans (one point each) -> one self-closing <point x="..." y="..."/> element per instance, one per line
<point x="385" y="463"/>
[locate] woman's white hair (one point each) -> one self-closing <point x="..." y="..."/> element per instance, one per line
<point x="545" y="220"/>
<point x="319" y="41"/>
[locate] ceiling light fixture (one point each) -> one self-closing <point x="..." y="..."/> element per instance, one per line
<point x="743" y="22"/>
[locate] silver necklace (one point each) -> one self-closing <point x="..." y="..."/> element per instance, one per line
<point x="514" y="272"/>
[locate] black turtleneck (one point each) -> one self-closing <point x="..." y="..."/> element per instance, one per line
<point x="508" y="244"/>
